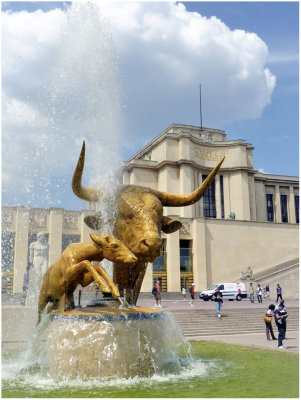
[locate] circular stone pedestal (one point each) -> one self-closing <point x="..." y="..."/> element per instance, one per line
<point x="112" y="342"/>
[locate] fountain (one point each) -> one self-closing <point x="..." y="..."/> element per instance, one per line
<point x="118" y="339"/>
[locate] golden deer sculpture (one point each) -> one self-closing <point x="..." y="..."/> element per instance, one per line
<point x="75" y="267"/>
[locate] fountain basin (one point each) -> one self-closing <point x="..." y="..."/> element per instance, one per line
<point x="94" y="342"/>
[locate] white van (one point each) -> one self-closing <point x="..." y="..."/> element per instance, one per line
<point x="230" y="291"/>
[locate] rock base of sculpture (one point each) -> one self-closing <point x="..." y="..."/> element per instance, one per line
<point x="93" y="342"/>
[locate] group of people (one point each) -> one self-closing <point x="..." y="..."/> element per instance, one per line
<point x="280" y="314"/>
<point x="263" y="292"/>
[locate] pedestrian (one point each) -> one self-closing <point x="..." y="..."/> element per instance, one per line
<point x="218" y="299"/>
<point x="280" y="320"/>
<point x="158" y="295"/>
<point x="259" y="293"/>
<point x="279" y="292"/>
<point x="268" y="322"/>
<point x="184" y="293"/>
<point x="154" y="291"/>
<point x="251" y="292"/>
<point x="267" y="291"/>
<point x="191" y="290"/>
<point x="285" y="311"/>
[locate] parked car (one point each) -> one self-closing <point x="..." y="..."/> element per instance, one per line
<point x="230" y="291"/>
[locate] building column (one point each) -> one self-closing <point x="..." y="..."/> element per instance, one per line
<point x="84" y="229"/>
<point x="186" y="187"/>
<point x="55" y="234"/>
<point x="21" y="247"/>
<point x="291" y="206"/>
<point x="147" y="283"/>
<point x="200" y="202"/>
<point x="218" y="203"/>
<point x="199" y="255"/>
<point x="277" y="204"/>
<point x="252" y="198"/>
<point x="173" y="262"/>
<point x="227" y="202"/>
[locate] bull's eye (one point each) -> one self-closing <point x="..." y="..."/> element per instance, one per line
<point x="114" y="246"/>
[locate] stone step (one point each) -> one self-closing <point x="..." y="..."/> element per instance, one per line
<point x="246" y="329"/>
<point x="235" y="321"/>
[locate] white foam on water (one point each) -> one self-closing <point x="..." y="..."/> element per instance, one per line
<point x="197" y="368"/>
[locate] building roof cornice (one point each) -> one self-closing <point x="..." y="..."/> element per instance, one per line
<point x="155" y="165"/>
<point x="177" y="131"/>
<point x="276" y="179"/>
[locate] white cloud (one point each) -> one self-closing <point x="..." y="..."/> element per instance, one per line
<point x="67" y="76"/>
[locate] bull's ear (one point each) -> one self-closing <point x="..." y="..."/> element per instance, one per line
<point x="170" y="225"/>
<point x="93" y="222"/>
<point x="124" y="208"/>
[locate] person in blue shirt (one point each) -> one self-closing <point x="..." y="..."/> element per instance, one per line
<point x="280" y="320"/>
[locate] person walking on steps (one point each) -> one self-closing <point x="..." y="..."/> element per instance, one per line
<point x="184" y="293"/>
<point x="279" y="292"/>
<point x="267" y="291"/>
<point x="191" y="290"/>
<point x="280" y="319"/>
<point x="218" y="299"/>
<point x="268" y="322"/>
<point x="259" y="293"/>
<point x="251" y="292"/>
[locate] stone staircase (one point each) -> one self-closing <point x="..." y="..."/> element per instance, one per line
<point x="198" y="323"/>
<point x="284" y="267"/>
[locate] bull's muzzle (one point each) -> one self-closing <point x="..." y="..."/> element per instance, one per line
<point x="150" y="248"/>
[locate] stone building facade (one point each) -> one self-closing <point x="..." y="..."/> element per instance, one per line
<point x="246" y="218"/>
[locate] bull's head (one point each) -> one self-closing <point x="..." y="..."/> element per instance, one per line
<point x="139" y="220"/>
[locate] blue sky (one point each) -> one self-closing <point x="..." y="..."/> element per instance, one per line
<point x="61" y="84"/>
<point x="275" y="134"/>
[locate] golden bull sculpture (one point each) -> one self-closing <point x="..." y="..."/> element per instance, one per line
<point x="138" y="223"/>
<point x="75" y="267"/>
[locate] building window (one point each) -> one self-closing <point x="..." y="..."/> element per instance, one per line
<point x="283" y="200"/>
<point x="221" y="181"/>
<point x="209" y="209"/>
<point x="270" y="208"/>
<point x="297" y="208"/>
<point x="159" y="268"/>
<point x="163" y="281"/>
<point x="185" y="256"/>
<point x="159" y="265"/>
<point x="68" y="239"/>
<point x="8" y="251"/>
<point x="186" y="275"/>
<point x="7" y="261"/>
<point x="186" y="281"/>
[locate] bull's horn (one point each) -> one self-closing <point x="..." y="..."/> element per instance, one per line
<point x="180" y="200"/>
<point x="84" y="193"/>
